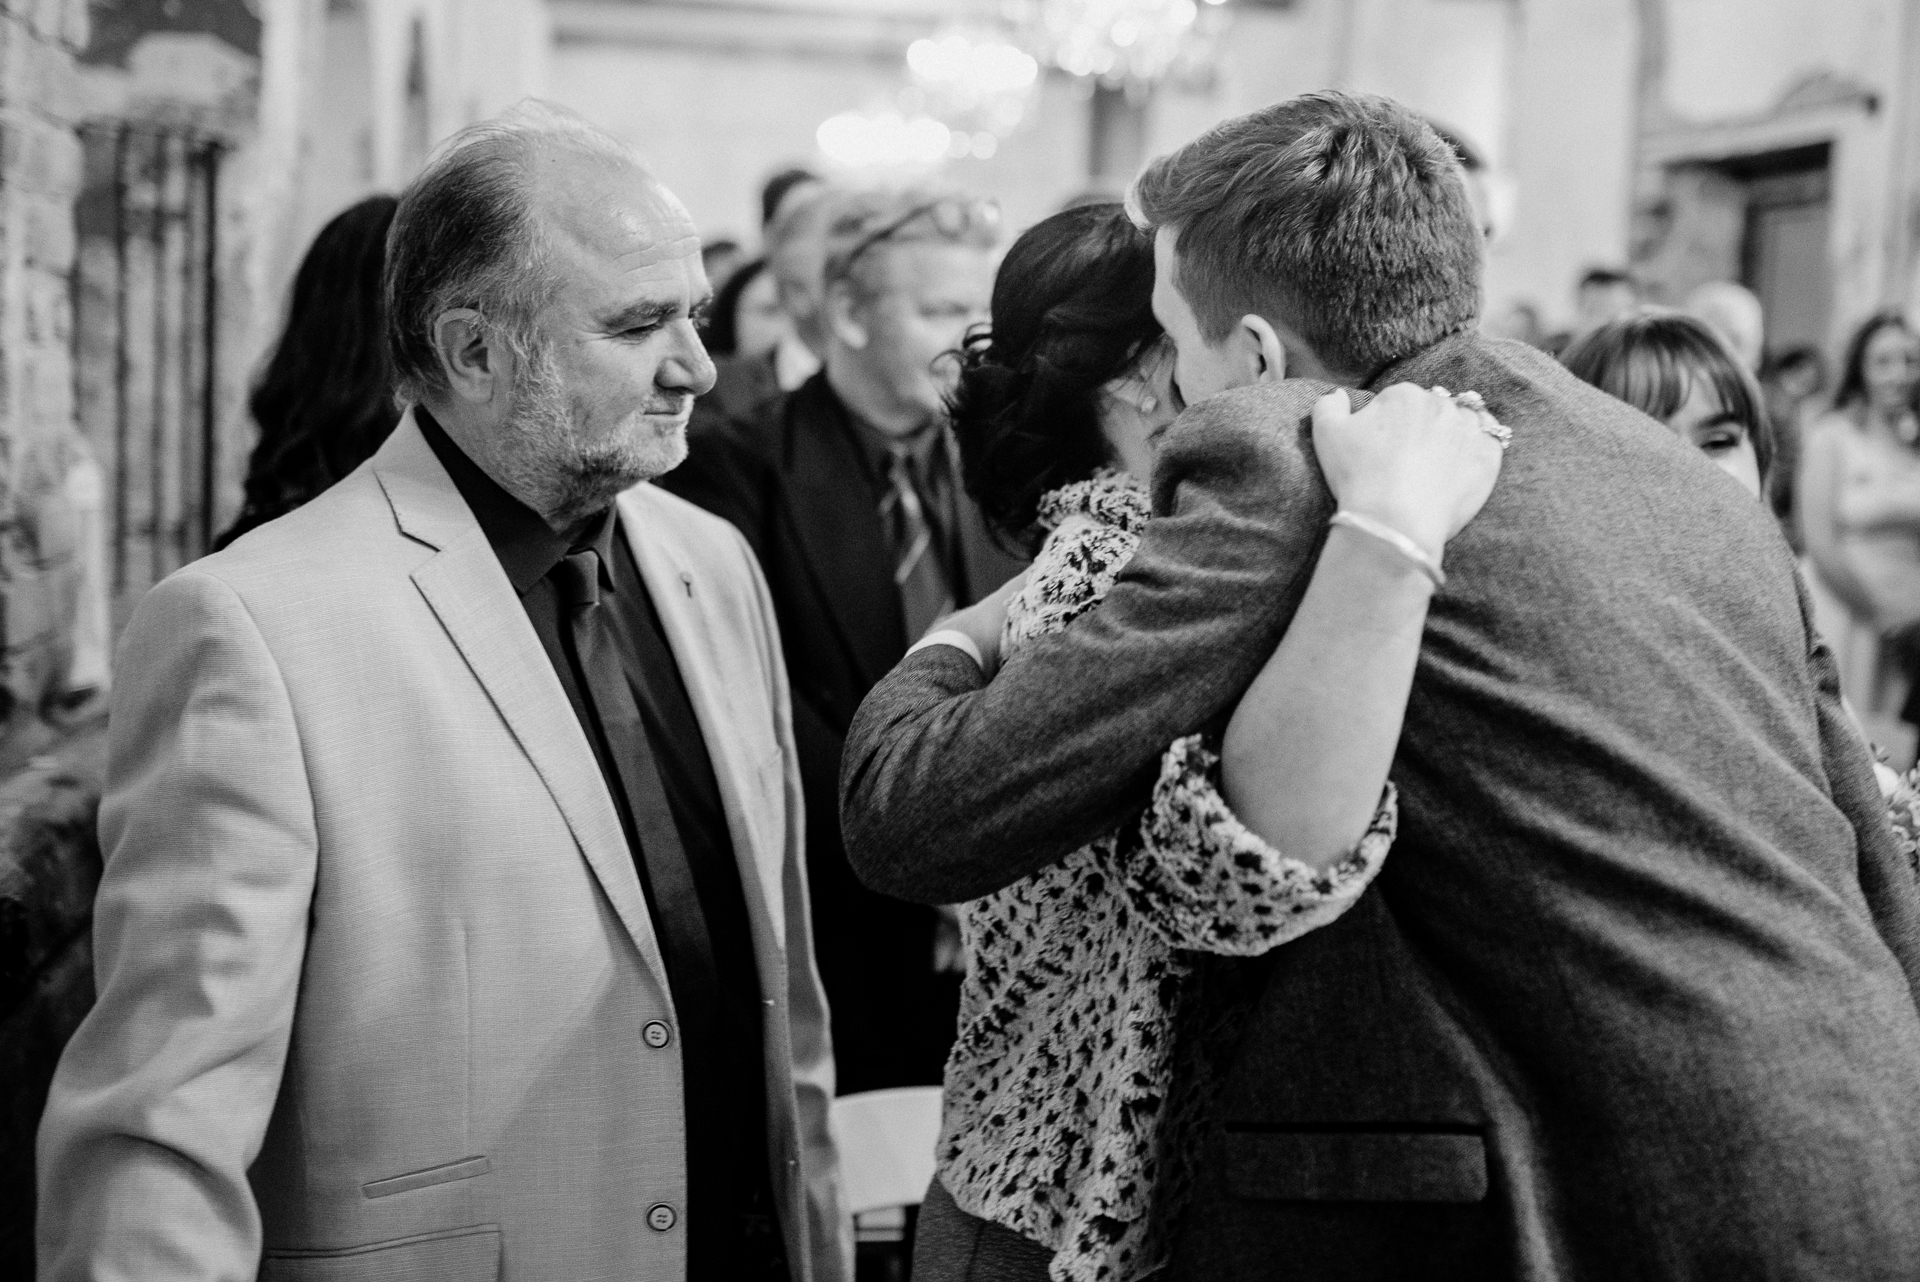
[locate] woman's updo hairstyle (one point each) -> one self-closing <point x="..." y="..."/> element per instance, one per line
<point x="1072" y="311"/>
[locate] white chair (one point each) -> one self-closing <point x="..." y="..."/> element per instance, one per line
<point x="886" y="1141"/>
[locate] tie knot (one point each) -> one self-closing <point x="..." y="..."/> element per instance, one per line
<point x="578" y="578"/>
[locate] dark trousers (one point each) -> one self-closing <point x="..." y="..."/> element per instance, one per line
<point x="951" y="1246"/>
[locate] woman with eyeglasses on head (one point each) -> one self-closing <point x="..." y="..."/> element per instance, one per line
<point x="1080" y="1070"/>
<point x="1859" y="497"/>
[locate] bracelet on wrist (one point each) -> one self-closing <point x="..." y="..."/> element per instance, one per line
<point x="1394" y="539"/>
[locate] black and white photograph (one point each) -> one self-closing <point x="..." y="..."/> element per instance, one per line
<point x="960" y="640"/>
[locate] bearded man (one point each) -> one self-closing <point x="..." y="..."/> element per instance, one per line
<point x="454" y="923"/>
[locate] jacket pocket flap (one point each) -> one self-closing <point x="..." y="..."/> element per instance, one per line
<point x="455" y="1255"/>
<point x="1356" y="1166"/>
<point x="464" y="1169"/>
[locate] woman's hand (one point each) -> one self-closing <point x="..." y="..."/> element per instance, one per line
<point x="984" y="621"/>
<point x="1412" y="459"/>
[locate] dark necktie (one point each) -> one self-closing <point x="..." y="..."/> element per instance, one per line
<point x="917" y="573"/>
<point x="677" y="914"/>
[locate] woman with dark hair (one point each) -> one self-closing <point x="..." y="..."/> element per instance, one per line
<point x="325" y="402"/>
<point x="745" y="319"/>
<point x="1079" y="1072"/>
<point x="1679" y="370"/>
<point x="1859" y="498"/>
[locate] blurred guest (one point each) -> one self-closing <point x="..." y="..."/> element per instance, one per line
<point x="797" y="257"/>
<point x="1791" y="381"/>
<point x="849" y="492"/>
<point x="746" y="320"/>
<point x="785" y="187"/>
<point x="1735" y="313"/>
<point x="325" y="402"/>
<point x="721" y="258"/>
<point x="743" y="384"/>
<point x="1859" y="498"/>
<point x="1675" y="368"/>
<point x="1519" y="322"/>
<point x="1794" y="378"/>
<point x="1603" y="294"/>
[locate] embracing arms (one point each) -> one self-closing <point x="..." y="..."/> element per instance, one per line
<point x="953" y="787"/>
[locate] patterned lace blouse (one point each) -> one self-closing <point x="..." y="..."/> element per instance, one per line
<point x="1059" y="1122"/>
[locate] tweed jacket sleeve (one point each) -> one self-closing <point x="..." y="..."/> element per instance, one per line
<point x="162" y="1100"/>
<point x="952" y="788"/>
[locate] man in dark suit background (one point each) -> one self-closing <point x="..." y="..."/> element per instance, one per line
<point x="1634" y="994"/>
<point x="849" y="491"/>
<point x="795" y="241"/>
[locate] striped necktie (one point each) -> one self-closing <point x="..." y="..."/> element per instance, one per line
<point x="924" y="593"/>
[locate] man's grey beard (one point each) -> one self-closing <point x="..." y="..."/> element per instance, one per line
<point x="547" y="457"/>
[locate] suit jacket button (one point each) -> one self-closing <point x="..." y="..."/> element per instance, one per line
<point x="656" y="1035"/>
<point x="661" y="1217"/>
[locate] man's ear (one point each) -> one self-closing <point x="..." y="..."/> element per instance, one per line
<point x="843" y="316"/>
<point x="468" y="356"/>
<point x="1268" y="351"/>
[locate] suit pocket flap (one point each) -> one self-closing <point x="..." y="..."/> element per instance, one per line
<point x="455" y="1255"/>
<point x="464" y="1169"/>
<point x="1356" y="1166"/>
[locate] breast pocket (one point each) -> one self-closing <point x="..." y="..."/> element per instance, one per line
<point x="451" y="1255"/>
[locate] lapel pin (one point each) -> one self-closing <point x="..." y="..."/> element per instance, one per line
<point x="687" y="579"/>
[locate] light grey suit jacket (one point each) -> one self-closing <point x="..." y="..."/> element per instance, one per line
<point x="378" y="985"/>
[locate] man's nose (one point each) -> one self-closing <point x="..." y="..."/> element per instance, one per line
<point x="689" y="368"/>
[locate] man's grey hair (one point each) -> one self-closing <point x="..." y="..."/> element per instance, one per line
<point x="465" y="235"/>
<point x="856" y="216"/>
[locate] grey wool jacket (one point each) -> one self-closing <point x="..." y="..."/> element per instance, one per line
<point x="1634" y="996"/>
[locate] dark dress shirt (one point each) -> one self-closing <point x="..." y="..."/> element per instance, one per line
<point x="720" y="1049"/>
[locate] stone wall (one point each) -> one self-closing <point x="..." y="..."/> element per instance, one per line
<point x="52" y="626"/>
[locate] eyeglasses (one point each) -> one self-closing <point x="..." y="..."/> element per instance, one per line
<point x="951" y="216"/>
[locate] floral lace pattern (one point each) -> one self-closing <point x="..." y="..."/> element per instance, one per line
<point x="1059" y="1122"/>
<point x="1903" y="811"/>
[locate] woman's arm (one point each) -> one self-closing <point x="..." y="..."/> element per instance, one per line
<point x="1819" y="497"/>
<point x="1306" y="754"/>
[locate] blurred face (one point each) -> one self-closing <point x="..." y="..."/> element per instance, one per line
<point x="1704" y="423"/>
<point x="1137" y="410"/>
<point x="1599" y="304"/>
<point x="758" y="322"/>
<point x="602" y="403"/>
<point x="1201" y="367"/>
<point x="1892" y="367"/>
<point x="922" y="297"/>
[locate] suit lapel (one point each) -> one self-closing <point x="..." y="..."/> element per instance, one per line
<point x="834" y="514"/>
<point x="470" y="595"/>
<point x="683" y="599"/>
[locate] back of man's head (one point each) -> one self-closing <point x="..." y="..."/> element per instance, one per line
<point x="1343" y="216"/>
<point x="466" y="234"/>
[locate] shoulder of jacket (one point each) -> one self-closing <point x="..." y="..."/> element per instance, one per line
<point x="698" y="533"/>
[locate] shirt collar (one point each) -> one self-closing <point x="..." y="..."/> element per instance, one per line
<point x="526" y="545"/>
<point x="921" y="446"/>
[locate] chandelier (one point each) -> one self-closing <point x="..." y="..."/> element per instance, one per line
<point x="1131" y="43"/>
